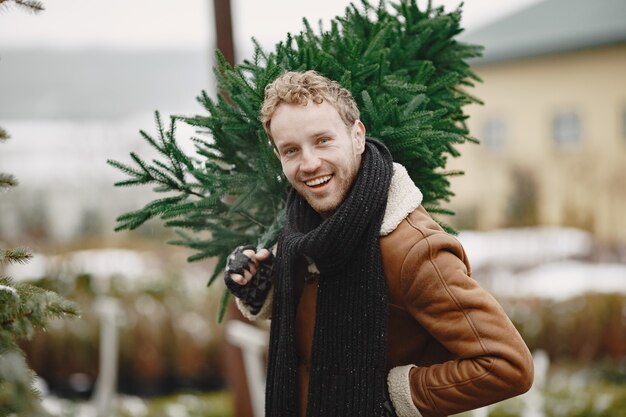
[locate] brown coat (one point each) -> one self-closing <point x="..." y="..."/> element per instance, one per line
<point x="451" y="347"/>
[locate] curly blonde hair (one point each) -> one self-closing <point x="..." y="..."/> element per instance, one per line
<point x="298" y="88"/>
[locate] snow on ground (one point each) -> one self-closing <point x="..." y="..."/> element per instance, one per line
<point x="561" y="280"/>
<point x="100" y="263"/>
<point x="546" y="258"/>
<point x="524" y="247"/>
<point x="131" y="269"/>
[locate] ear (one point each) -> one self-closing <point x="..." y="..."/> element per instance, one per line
<point x="358" y="135"/>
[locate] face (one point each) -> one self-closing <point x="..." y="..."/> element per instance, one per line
<point x="319" y="154"/>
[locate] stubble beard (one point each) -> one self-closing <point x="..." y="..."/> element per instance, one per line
<point x="327" y="207"/>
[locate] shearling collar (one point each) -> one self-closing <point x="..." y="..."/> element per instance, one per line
<point x="402" y="199"/>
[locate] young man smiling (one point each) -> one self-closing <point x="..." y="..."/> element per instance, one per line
<point x="373" y="309"/>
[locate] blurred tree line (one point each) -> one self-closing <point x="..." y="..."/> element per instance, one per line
<point x="169" y="338"/>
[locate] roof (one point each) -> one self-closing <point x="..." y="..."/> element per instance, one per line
<point x="551" y="26"/>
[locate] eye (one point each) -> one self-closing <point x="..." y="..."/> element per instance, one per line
<point x="289" y="151"/>
<point x="324" y="140"/>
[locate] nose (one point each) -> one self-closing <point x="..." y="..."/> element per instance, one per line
<point x="310" y="161"/>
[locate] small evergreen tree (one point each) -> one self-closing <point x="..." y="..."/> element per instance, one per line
<point x="407" y="73"/>
<point x="24" y="308"/>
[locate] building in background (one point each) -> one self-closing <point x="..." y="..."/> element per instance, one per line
<point x="553" y="126"/>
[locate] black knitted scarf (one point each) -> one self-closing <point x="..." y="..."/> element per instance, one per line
<point x="348" y="376"/>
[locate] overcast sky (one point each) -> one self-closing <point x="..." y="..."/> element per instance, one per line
<point x="187" y="24"/>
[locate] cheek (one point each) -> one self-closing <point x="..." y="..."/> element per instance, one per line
<point x="289" y="169"/>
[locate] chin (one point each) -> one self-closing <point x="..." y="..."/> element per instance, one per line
<point x="325" y="210"/>
<point x="324" y="207"/>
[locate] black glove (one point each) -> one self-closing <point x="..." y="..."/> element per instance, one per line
<point x="254" y="293"/>
<point x="388" y="410"/>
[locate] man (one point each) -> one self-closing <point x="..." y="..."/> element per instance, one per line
<point x="373" y="309"/>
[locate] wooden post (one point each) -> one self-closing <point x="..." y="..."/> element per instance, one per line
<point x="236" y="370"/>
<point x="224" y="29"/>
<point x="233" y="359"/>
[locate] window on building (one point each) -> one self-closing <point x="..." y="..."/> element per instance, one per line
<point x="566" y="129"/>
<point x="494" y="134"/>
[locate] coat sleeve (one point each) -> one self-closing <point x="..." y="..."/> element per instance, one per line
<point x="491" y="362"/>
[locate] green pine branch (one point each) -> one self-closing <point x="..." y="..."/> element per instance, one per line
<point x="17" y="255"/>
<point x="17" y="395"/>
<point x="404" y="67"/>
<point x="7" y="181"/>
<point x="24" y="309"/>
<point x="4" y="135"/>
<point x="28" y="5"/>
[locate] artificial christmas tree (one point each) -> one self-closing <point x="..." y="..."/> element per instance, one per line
<point x="406" y="71"/>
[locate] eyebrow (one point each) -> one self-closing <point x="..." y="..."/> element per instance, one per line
<point x="321" y="133"/>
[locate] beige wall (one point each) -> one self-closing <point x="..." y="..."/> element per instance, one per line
<point x="584" y="187"/>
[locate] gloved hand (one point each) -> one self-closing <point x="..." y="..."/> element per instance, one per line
<point x="388" y="410"/>
<point x="248" y="275"/>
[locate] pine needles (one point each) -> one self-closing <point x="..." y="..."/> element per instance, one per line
<point x="28" y="5"/>
<point x="24" y="308"/>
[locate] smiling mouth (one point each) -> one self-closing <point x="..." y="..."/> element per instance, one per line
<point x="318" y="181"/>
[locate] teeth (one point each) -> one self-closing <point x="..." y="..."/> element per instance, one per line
<point x="318" y="181"/>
